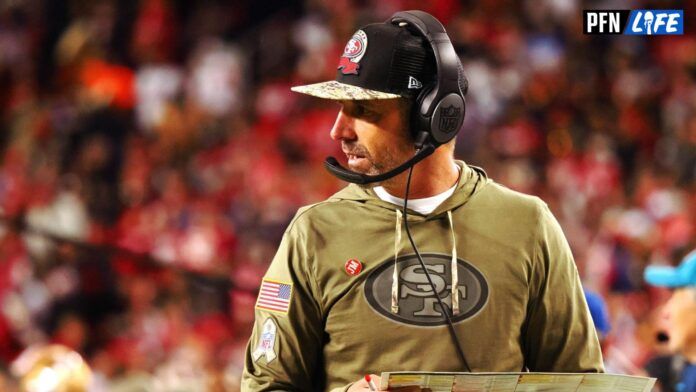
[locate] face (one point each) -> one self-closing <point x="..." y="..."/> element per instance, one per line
<point x="373" y="135"/>
<point x="680" y="319"/>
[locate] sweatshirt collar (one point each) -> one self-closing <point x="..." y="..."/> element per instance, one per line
<point x="471" y="180"/>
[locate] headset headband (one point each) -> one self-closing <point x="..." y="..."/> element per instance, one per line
<point x="446" y="58"/>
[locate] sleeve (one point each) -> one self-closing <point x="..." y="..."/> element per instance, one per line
<point x="559" y="334"/>
<point x="284" y="350"/>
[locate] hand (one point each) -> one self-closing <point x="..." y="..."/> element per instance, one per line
<point x="362" y="386"/>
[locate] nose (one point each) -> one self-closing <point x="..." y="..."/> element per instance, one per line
<point x="668" y="307"/>
<point x="343" y="128"/>
<point x="665" y="314"/>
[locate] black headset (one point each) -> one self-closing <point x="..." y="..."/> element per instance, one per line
<point x="438" y="111"/>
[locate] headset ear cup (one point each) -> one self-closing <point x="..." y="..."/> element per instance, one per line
<point x="420" y="123"/>
<point x="448" y="117"/>
<point x="449" y="112"/>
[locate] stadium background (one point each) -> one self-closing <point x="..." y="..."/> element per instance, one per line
<point x="152" y="155"/>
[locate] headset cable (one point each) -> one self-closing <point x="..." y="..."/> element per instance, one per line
<point x="453" y="332"/>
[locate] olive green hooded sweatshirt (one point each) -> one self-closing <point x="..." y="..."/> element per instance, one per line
<point x="345" y="295"/>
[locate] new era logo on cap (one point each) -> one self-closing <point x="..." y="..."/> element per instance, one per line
<point x="413" y="83"/>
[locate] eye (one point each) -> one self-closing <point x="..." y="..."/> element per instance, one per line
<point x="364" y="112"/>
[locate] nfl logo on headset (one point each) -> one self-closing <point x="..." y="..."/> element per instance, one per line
<point x="448" y="118"/>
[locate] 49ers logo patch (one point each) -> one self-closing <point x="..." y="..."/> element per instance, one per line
<point x="352" y="53"/>
<point x="417" y="305"/>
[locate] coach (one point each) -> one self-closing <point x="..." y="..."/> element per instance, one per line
<point x="422" y="263"/>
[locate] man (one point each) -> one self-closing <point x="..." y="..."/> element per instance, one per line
<point x="346" y="294"/>
<point x="680" y="320"/>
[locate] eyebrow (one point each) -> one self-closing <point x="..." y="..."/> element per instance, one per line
<point x="368" y="104"/>
<point x="376" y="106"/>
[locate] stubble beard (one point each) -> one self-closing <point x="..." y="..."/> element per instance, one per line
<point x="387" y="161"/>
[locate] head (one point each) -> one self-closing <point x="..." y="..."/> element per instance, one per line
<point x="388" y="72"/>
<point x="679" y="314"/>
<point x="51" y="367"/>
<point x="375" y="135"/>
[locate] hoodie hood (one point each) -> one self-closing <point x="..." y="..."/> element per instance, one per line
<point x="472" y="180"/>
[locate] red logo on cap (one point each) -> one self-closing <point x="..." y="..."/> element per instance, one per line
<point x="353" y="48"/>
<point x="348" y="67"/>
<point x="353" y="267"/>
<point x="352" y="53"/>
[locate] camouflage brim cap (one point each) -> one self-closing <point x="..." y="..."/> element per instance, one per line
<point x="341" y="91"/>
<point x="380" y="61"/>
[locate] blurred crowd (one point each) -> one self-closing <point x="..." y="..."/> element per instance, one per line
<point x="152" y="154"/>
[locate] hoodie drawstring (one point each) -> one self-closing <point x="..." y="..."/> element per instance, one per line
<point x="453" y="266"/>
<point x="395" y="276"/>
<point x="454" y="269"/>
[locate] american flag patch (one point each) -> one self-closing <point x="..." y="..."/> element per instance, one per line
<point x="274" y="296"/>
